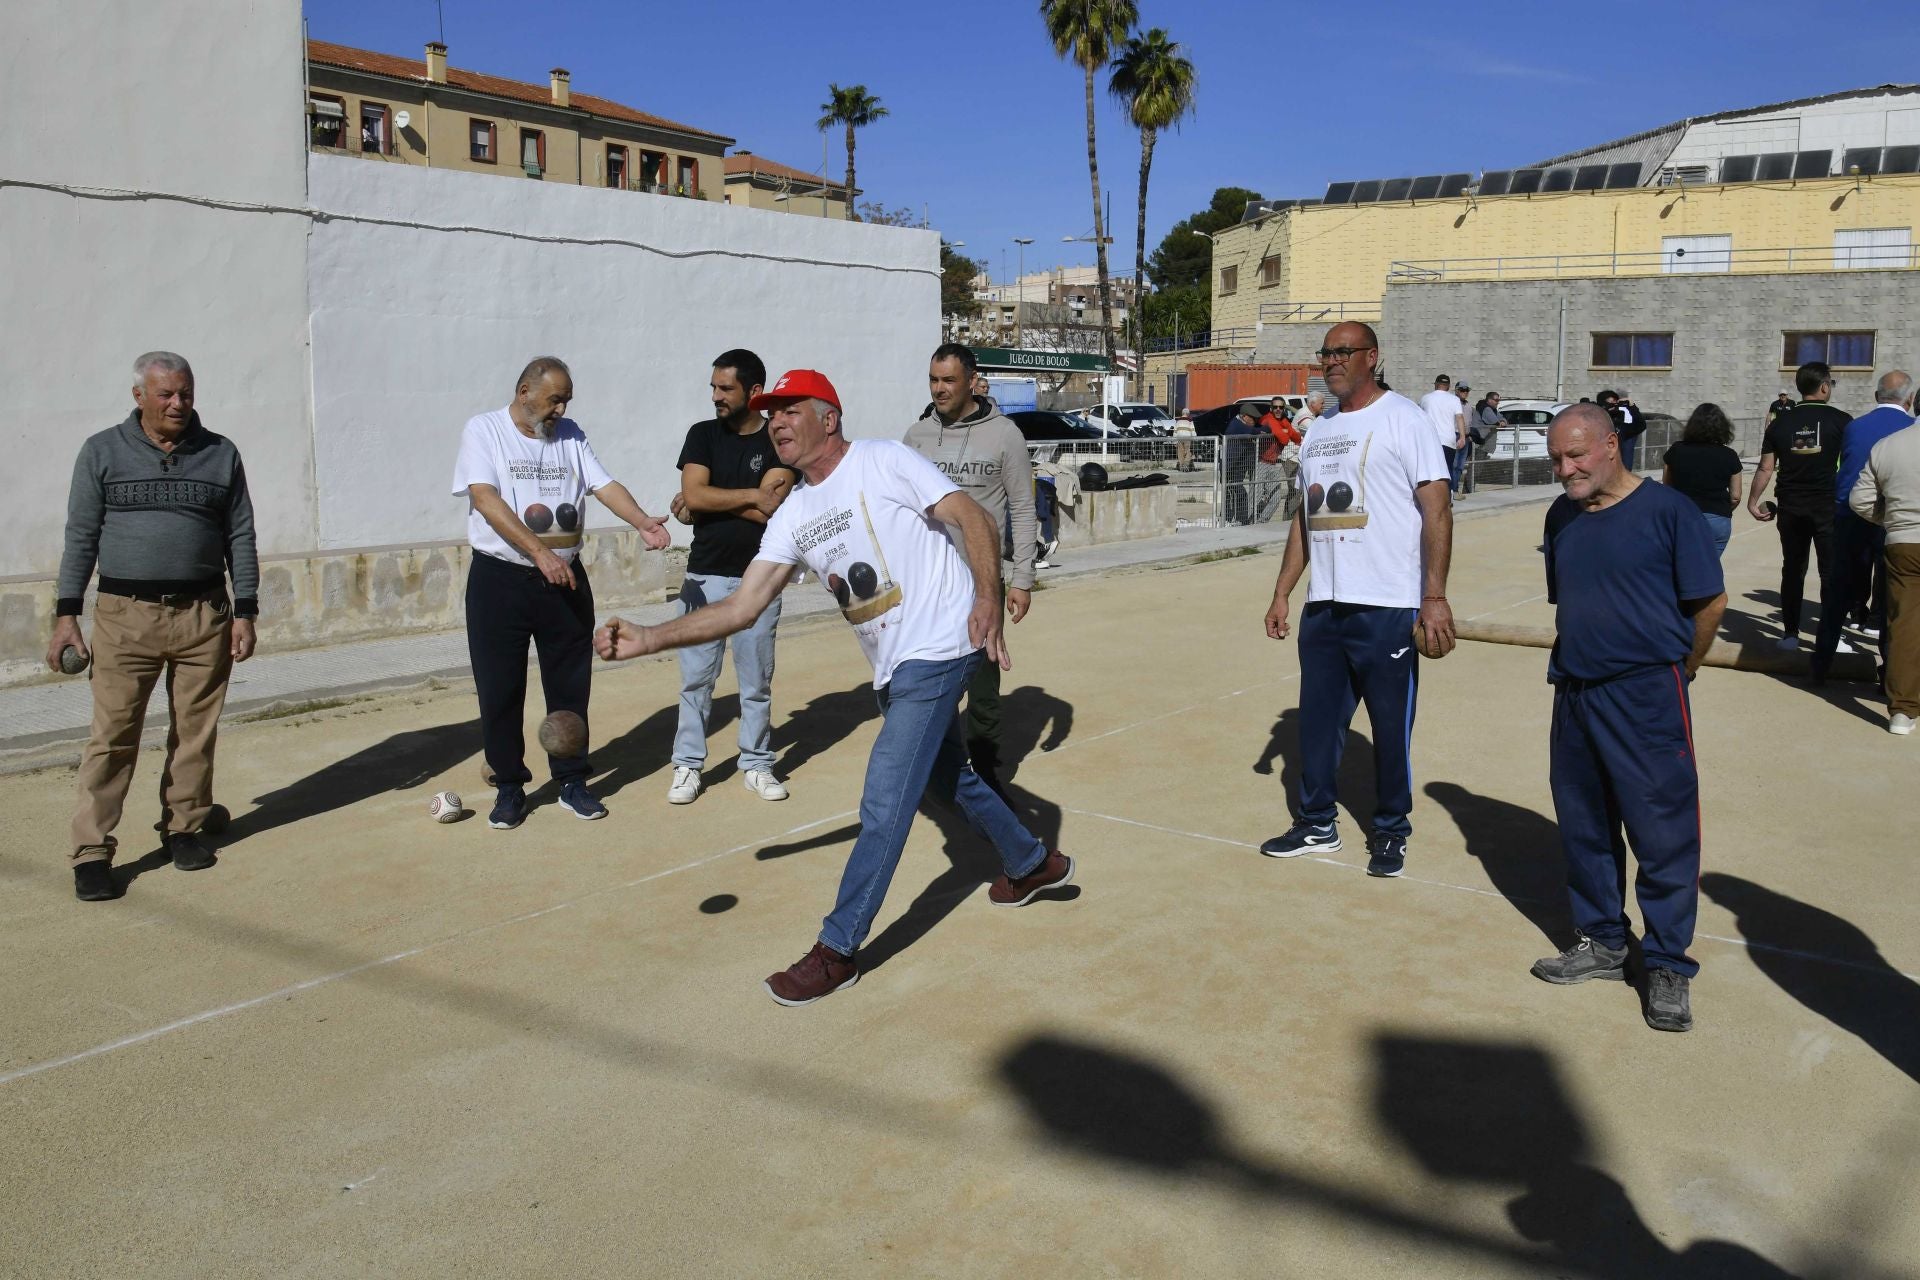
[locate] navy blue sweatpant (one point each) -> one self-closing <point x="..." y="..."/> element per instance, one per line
<point x="1623" y="756"/>
<point x="1349" y="654"/>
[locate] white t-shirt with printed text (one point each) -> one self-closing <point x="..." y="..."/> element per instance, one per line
<point x="544" y="479"/>
<point x="897" y="573"/>
<point x="1358" y="469"/>
<point x="1442" y="407"/>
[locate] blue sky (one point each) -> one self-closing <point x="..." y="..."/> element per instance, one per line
<point x="987" y="131"/>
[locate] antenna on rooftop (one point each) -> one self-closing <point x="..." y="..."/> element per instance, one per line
<point x="442" y="13"/>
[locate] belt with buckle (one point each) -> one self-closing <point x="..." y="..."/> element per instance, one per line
<point x="172" y="599"/>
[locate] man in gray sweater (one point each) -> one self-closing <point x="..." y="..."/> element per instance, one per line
<point x="975" y="446"/>
<point x="159" y="504"/>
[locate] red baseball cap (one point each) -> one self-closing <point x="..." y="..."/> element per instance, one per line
<point x="797" y="384"/>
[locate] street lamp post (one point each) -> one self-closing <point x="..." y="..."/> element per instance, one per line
<point x="1106" y="338"/>
<point x="1020" y="294"/>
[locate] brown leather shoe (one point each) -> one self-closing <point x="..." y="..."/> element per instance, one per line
<point x="1053" y="872"/>
<point x="820" y="972"/>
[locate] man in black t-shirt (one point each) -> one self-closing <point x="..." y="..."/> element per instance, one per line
<point x="730" y="482"/>
<point x="1803" y="444"/>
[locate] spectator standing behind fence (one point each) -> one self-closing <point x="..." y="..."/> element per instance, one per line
<point x="1859" y="589"/>
<point x="159" y="504"/>
<point x="1804" y="445"/>
<point x="1628" y="424"/>
<point x="1888" y="494"/>
<point x="1449" y="418"/>
<point x="1316" y="409"/>
<point x="1241" y="445"/>
<point x="1704" y="467"/>
<point x="1482" y="428"/>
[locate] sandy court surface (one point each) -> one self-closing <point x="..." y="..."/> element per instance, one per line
<point x="365" y="1044"/>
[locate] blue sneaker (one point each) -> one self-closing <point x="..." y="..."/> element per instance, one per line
<point x="1386" y="855"/>
<point x="509" y="807"/>
<point x="1304" y="837"/>
<point x="580" y="802"/>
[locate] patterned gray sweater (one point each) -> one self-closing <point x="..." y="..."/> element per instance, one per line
<point x="985" y="454"/>
<point x="158" y="521"/>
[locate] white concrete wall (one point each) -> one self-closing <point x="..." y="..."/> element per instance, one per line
<point x="198" y="102"/>
<point x="416" y="328"/>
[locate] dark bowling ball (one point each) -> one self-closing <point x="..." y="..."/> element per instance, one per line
<point x="538" y="518"/>
<point x="568" y="515"/>
<point x="838" y="585"/>
<point x="1315" y="497"/>
<point x="563" y="734"/>
<point x="1340" y="497"/>
<point x="862" y="579"/>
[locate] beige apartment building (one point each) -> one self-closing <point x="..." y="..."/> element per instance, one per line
<point x="756" y="182"/>
<point x="403" y="111"/>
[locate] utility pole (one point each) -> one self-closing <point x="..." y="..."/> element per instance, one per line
<point x="1020" y="294"/>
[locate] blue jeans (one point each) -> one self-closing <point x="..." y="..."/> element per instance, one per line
<point x="920" y="751"/>
<point x="1721" y="529"/>
<point x="1043" y="507"/>
<point x="700" y="668"/>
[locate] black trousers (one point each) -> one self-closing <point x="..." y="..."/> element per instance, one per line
<point x="507" y="606"/>
<point x="1800" y="530"/>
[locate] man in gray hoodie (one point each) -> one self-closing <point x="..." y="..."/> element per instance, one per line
<point x="982" y="452"/>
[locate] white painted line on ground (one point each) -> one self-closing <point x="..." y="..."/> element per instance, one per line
<point x="1477" y="891"/>
<point x="181" y="1024"/>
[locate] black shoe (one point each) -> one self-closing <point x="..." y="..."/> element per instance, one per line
<point x="1386" y="855"/>
<point x="986" y="763"/>
<point x="1582" y="962"/>
<point x="188" y="853"/>
<point x="509" y="807"/>
<point x="94" y="882"/>
<point x="1304" y="837"/>
<point x="1668" y="1006"/>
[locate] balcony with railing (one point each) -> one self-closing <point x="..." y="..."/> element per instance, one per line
<point x="1675" y="260"/>
<point x="1240" y="337"/>
<point x="1363" y="312"/>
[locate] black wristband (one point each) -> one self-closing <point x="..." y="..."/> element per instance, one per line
<point x="246" y="607"/>
<point x="68" y="607"/>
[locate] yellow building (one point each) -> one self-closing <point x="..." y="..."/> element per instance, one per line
<point x="759" y="183"/>
<point x="427" y="113"/>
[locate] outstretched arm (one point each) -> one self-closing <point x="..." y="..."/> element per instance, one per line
<point x="652" y="528"/>
<point x="763" y="581"/>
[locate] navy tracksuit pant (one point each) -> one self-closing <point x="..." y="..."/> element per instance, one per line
<point x="1623" y="756"/>
<point x="1349" y="654"/>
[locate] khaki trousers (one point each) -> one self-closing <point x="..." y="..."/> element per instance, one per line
<point x="1901" y="643"/>
<point x="135" y="644"/>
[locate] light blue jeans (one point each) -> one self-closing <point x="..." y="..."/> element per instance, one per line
<point x="1721" y="529"/>
<point x="921" y="750"/>
<point x="752" y="668"/>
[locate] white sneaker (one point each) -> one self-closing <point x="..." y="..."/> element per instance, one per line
<point x="686" y="785"/>
<point x="1841" y="646"/>
<point x="1789" y="644"/>
<point x="765" y="785"/>
<point x="1902" y="725"/>
<point x="1052" y="545"/>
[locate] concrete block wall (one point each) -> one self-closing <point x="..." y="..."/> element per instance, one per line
<point x="1116" y="515"/>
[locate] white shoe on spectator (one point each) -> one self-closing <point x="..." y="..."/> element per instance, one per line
<point x="686" y="785"/>
<point x="1902" y="725"/>
<point x="765" y="785"/>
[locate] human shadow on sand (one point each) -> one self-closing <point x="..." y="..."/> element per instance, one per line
<point x="1828" y="964"/>
<point x="1520" y="851"/>
<point x="1355" y="779"/>
<point x="399" y="763"/>
<point x="646" y="748"/>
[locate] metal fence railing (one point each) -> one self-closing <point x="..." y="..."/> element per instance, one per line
<point x="1217" y="480"/>
<point x="1367" y="311"/>
<point x="1517" y="456"/>
<point x="1677" y="260"/>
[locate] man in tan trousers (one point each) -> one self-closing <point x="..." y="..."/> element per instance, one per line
<point x="159" y="504"/>
<point x="1888" y="494"/>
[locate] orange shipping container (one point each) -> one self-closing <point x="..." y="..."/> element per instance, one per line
<point x="1211" y="385"/>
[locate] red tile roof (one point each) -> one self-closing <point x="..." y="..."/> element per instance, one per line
<point x="386" y="64"/>
<point x="748" y="163"/>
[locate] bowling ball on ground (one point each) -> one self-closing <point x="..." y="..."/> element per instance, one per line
<point x="1340" y="496"/>
<point x="1316" y="496"/>
<point x="568" y="515"/>
<point x="838" y="585"/>
<point x="563" y="734"/>
<point x="538" y="518"/>
<point x="862" y="578"/>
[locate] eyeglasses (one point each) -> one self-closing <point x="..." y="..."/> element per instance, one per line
<point x="1340" y="354"/>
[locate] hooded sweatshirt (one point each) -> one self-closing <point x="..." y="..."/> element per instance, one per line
<point x="984" y="454"/>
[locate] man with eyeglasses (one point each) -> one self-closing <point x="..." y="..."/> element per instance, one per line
<point x="1377" y="528"/>
<point x="1803" y="444"/>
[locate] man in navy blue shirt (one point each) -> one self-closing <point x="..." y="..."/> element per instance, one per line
<point x="1636" y="581"/>
<point x="1860" y="572"/>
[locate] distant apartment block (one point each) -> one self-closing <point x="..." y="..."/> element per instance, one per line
<point x="756" y="182"/>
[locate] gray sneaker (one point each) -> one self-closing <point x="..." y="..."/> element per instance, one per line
<point x="1668" y="1007"/>
<point x="1582" y="962"/>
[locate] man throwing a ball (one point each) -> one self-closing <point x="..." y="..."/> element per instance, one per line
<point x="877" y="524"/>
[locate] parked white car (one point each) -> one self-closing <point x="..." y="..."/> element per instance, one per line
<point x="1133" y="418"/>
<point x="1526" y="429"/>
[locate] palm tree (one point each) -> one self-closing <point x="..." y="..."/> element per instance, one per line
<point x="1087" y="31"/>
<point x="1154" y="80"/>
<point x="855" y="108"/>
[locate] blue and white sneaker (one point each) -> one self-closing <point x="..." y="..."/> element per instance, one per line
<point x="509" y="807"/>
<point x="580" y="802"/>
<point x="1304" y="837"/>
<point x="1386" y="855"/>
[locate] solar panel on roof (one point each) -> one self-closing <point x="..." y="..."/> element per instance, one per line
<point x="1395" y="188"/>
<point x="1558" y="179"/>
<point x="1589" y="177"/>
<point x="1622" y="176"/>
<point x="1526" y="181"/>
<point x="1425" y="188"/>
<point x="1776" y="166"/>
<point x="1366" y="192"/>
<point x="1455" y="184"/>
<point x="1813" y="164"/>
<point x="1339" y="193"/>
<point x="1900" y="160"/>
<point x="1494" y="182"/>
<point x="1865" y="159"/>
<point x="1739" y="168"/>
